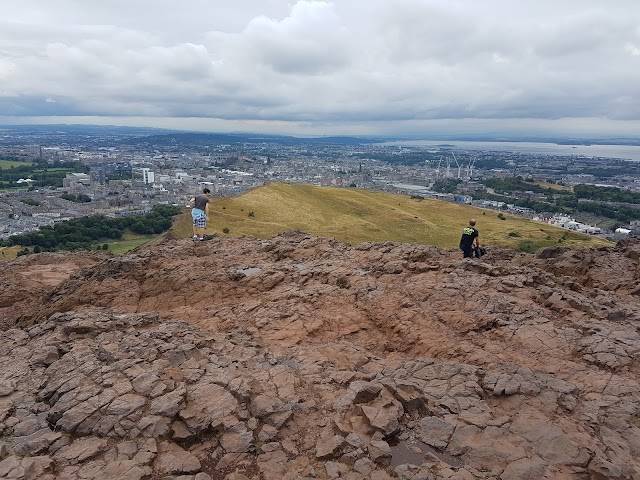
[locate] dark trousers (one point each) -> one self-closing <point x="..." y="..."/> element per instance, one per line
<point x="467" y="252"/>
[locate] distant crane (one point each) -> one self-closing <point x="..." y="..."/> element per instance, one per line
<point x="458" y="164"/>
<point x="472" y="162"/>
<point x="437" y="172"/>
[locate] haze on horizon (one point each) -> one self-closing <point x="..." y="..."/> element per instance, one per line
<point x="318" y="67"/>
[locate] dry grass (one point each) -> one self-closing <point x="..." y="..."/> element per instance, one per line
<point x="9" y="253"/>
<point x="355" y="216"/>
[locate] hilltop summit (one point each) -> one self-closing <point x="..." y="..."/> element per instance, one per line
<point x="303" y="357"/>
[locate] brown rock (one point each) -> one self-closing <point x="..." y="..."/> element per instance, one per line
<point x="177" y="462"/>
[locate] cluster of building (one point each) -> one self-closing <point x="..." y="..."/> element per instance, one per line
<point x="565" y="221"/>
<point x="129" y="180"/>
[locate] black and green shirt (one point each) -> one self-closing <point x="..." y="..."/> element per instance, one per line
<point x="468" y="235"/>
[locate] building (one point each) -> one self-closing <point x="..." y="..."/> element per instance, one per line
<point x="144" y="175"/>
<point x="76" y="180"/>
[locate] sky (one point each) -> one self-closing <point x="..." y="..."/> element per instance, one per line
<point x="315" y="67"/>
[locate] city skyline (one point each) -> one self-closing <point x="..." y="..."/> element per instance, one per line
<point x="319" y="67"/>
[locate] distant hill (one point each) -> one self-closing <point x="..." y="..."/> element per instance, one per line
<point x="356" y="215"/>
<point x="205" y="139"/>
<point x="78" y="129"/>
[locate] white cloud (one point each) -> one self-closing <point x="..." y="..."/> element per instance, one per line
<point x="321" y="62"/>
<point x="633" y="50"/>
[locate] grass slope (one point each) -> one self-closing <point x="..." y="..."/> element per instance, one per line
<point x="8" y="253"/>
<point x="355" y="215"/>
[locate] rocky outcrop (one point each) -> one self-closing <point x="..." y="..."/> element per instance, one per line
<point x="300" y="357"/>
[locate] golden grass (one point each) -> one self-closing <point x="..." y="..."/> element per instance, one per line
<point x="9" y="253"/>
<point x="356" y="216"/>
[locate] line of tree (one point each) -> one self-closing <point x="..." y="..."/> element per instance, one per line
<point x="569" y="204"/>
<point x="519" y="184"/>
<point x="606" y="194"/>
<point x="446" y="185"/>
<point x="82" y="233"/>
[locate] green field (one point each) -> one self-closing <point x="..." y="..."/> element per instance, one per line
<point x="12" y="163"/>
<point x="129" y="242"/>
<point x="554" y="186"/>
<point x="355" y="216"/>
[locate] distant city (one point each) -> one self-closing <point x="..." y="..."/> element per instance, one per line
<point x="120" y="172"/>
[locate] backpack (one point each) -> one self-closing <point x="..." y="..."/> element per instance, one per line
<point x="479" y="251"/>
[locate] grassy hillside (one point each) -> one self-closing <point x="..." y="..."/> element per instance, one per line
<point x="354" y="216"/>
<point x="8" y="253"/>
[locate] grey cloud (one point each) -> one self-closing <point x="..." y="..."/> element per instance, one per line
<point x="321" y="61"/>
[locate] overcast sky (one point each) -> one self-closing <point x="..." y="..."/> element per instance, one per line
<point x="319" y="67"/>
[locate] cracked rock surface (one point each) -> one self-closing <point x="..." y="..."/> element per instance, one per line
<point x="301" y="357"/>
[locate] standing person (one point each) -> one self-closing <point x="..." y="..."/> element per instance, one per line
<point x="469" y="238"/>
<point x="200" y="213"/>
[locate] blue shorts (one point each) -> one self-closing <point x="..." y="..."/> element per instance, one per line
<point x="199" y="218"/>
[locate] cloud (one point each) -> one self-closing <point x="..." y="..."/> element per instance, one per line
<point x="311" y="40"/>
<point x="323" y="62"/>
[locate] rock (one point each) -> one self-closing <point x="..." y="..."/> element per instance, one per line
<point x="272" y="465"/>
<point x="435" y="432"/>
<point x="124" y="405"/>
<point x="35" y="444"/>
<point x="334" y="469"/>
<point x="329" y="446"/>
<point x="181" y="433"/>
<point x="196" y="421"/>
<point x="601" y="469"/>
<point x="364" y="466"/>
<point x="122" y="469"/>
<point x="365" y="392"/>
<point x="267" y="432"/>
<point x="485" y="448"/>
<point x="31" y="468"/>
<point x="81" y="450"/>
<point x="6" y="388"/>
<point x="525" y="469"/>
<point x="237" y="439"/>
<point x="411" y="396"/>
<point x="44" y="356"/>
<point x="380" y="452"/>
<point x="212" y="400"/>
<point x="548" y="440"/>
<point x="265" y="405"/>
<point x="177" y="462"/>
<point x="145" y="383"/>
<point x="320" y="352"/>
<point x="384" y="419"/>
<point x="5" y="451"/>
<point x="168" y="405"/>
<point x="11" y="467"/>
<point x="153" y="426"/>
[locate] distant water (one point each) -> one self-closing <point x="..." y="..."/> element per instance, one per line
<point x="627" y="152"/>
